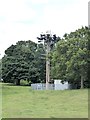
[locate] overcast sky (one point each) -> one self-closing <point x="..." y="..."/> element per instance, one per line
<point x="26" y="19"/>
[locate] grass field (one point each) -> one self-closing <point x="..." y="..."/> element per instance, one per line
<point x="0" y="101"/>
<point x="22" y="102"/>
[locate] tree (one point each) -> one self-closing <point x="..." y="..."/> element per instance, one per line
<point x="41" y="62"/>
<point x="69" y="60"/>
<point x="21" y="63"/>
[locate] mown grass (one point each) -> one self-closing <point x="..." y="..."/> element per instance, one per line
<point x="23" y="102"/>
<point x="0" y="101"/>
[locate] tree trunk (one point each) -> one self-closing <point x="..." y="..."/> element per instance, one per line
<point x="17" y="82"/>
<point x="82" y="82"/>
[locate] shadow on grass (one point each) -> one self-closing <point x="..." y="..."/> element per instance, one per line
<point x="12" y="84"/>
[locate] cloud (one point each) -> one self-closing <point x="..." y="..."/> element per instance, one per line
<point x="67" y="18"/>
<point x="15" y="10"/>
<point x="26" y="19"/>
<point x="14" y="18"/>
<point x="39" y="1"/>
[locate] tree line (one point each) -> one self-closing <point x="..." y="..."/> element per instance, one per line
<point x="69" y="60"/>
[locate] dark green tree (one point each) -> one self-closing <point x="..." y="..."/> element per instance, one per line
<point x="21" y="62"/>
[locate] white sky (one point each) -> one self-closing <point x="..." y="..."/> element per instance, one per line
<point x="26" y="19"/>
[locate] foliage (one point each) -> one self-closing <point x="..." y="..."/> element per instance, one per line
<point x="70" y="58"/>
<point x="24" y="82"/>
<point x="21" y="62"/>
